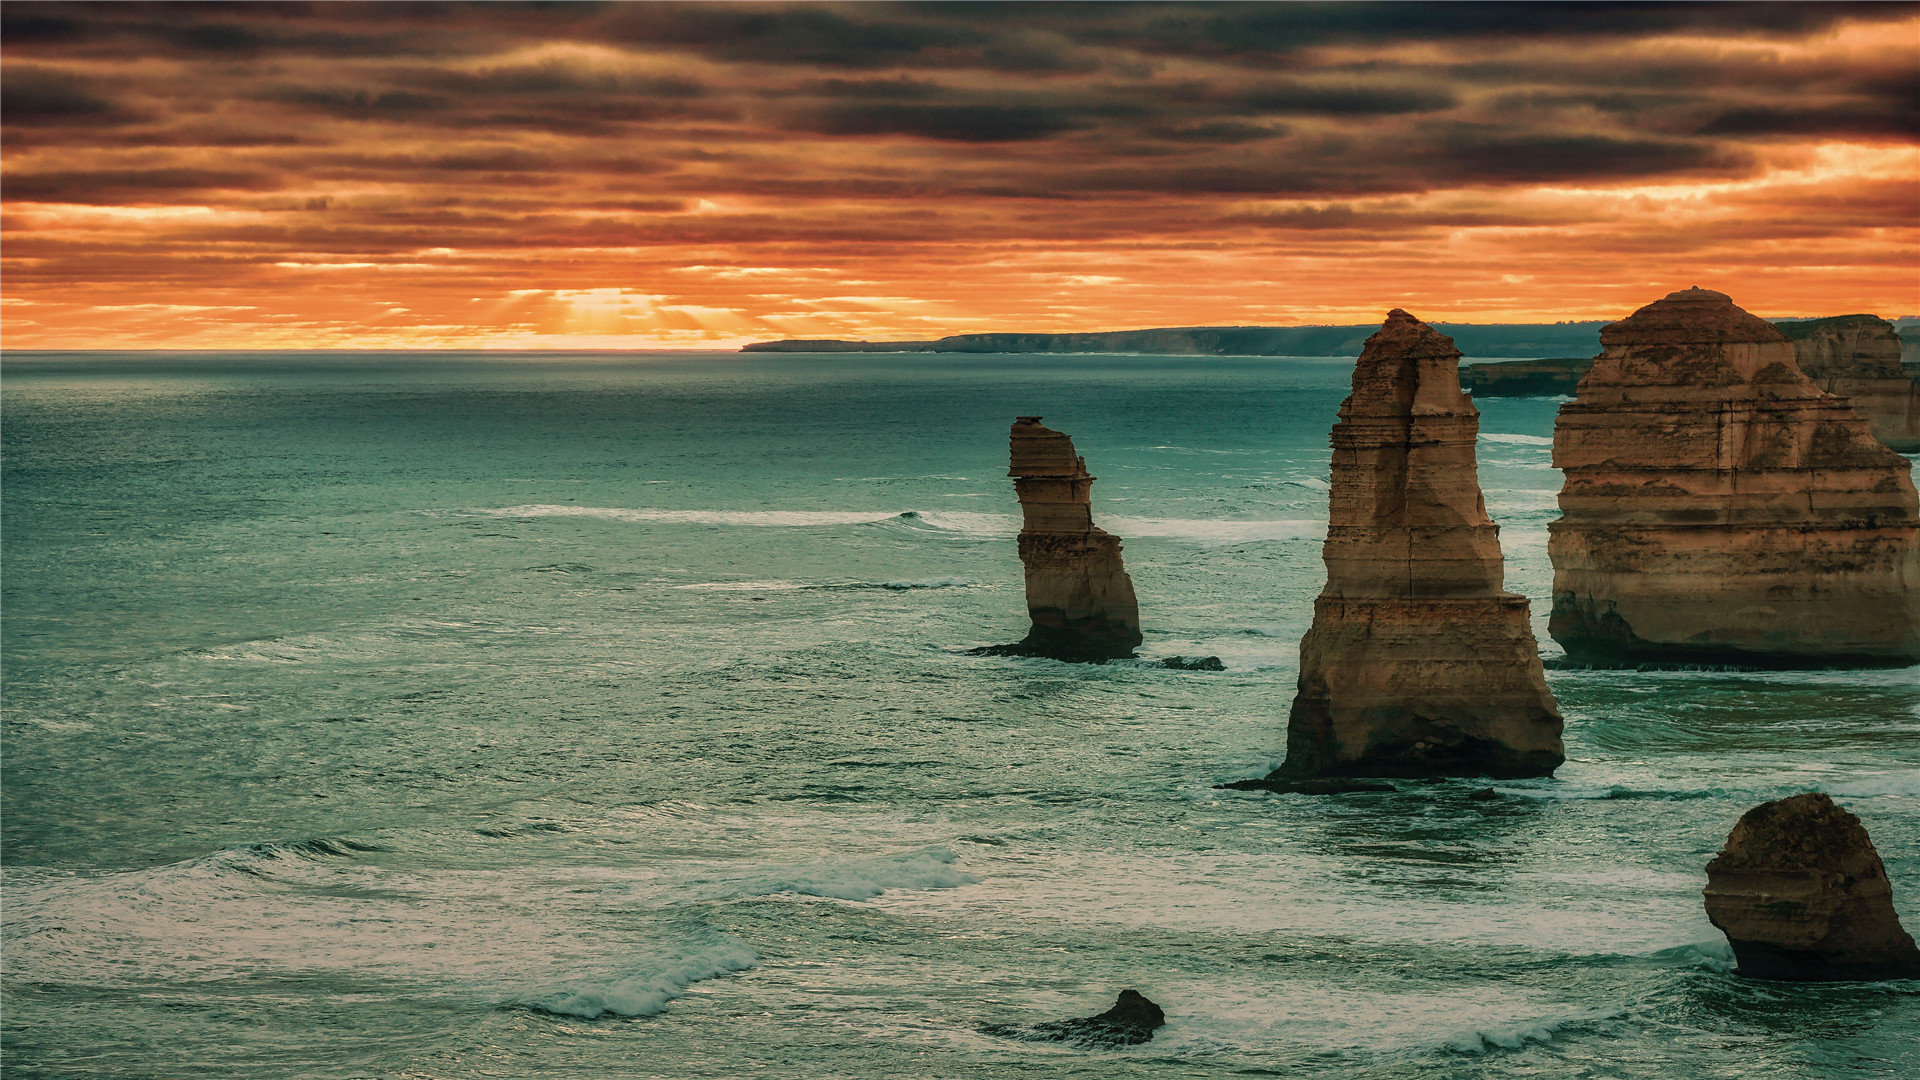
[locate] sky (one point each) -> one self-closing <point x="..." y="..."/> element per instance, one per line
<point x="513" y="175"/>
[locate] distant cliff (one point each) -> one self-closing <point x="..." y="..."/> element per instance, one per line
<point x="1493" y="339"/>
<point x="1525" y="378"/>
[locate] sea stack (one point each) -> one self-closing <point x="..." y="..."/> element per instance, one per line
<point x="1720" y="508"/>
<point x="1858" y="357"/>
<point x="1802" y="895"/>
<point x="1078" y="593"/>
<point x="1419" y="663"/>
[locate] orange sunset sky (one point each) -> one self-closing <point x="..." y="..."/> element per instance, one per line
<point x="701" y="175"/>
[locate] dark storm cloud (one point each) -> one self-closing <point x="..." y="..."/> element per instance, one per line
<point x="36" y="95"/>
<point x="957" y="123"/>
<point x="116" y="186"/>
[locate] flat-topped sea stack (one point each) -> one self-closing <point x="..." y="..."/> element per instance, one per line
<point x="1720" y="508"/>
<point x="1858" y="358"/>
<point x="1802" y="895"/>
<point x="1419" y="663"/>
<point x="1078" y="593"/>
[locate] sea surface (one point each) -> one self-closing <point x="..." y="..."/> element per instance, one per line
<point x="583" y="715"/>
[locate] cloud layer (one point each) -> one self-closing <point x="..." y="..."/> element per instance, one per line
<point x="682" y="174"/>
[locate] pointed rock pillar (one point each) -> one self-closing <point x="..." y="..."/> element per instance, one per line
<point x="1857" y="357"/>
<point x="1802" y="895"/>
<point x="1419" y="663"/>
<point x="1720" y="508"/>
<point x="1078" y="593"/>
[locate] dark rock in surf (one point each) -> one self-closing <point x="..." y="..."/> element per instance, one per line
<point x="1078" y="593"/>
<point x="1306" y="786"/>
<point x="1485" y="794"/>
<point x="1132" y="1020"/>
<point x="1194" y="663"/>
<point x="1802" y="896"/>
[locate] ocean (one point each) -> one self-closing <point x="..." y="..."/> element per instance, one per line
<point x="447" y="715"/>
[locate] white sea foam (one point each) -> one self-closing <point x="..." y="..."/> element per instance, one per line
<point x="646" y="991"/>
<point x="1516" y="440"/>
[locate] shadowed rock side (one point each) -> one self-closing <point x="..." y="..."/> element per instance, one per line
<point x="1418" y="662"/>
<point x="1802" y="895"/>
<point x="1720" y="508"/>
<point x="1078" y="593"/>
<point x="1858" y="358"/>
<point x="1132" y="1020"/>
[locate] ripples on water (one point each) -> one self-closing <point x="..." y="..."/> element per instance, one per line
<point x="561" y="716"/>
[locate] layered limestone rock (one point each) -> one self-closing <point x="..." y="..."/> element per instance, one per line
<point x="1801" y="894"/>
<point x="1720" y="508"/>
<point x="1078" y="593"/>
<point x="1858" y="357"/>
<point x="1419" y="663"/>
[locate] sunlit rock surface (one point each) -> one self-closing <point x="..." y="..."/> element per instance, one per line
<point x="1720" y="508"/>
<point x="1858" y="358"/>
<point x="1078" y="593"/>
<point x="1801" y="894"/>
<point x="1419" y="663"/>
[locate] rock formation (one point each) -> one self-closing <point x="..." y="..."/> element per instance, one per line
<point x="1078" y="593"/>
<point x="1720" y="508"/>
<point x="1132" y="1020"/>
<point x="1858" y="358"/>
<point x="1418" y="662"/>
<point x="1801" y="894"/>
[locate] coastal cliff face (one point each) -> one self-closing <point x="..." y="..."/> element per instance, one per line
<point x="1858" y="358"/>
<point x="1078" y="593"/>
<point x="1802" y="895"/>
<point x="1525" y="378"/>
<point x="1720" y="508"/>
<point x="1419" y="663"/>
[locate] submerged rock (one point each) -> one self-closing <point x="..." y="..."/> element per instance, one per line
<point x="1078" y="593"/>
<point x="1419" y="663"/>
<point x="1802" y="895"/>
<point x="1858" y="357"/>
<point x="1719" y="508"/>
<point x="1194" y="663"/>
<point x="1306" y="786"/>
<point x="1132" y="1020"/>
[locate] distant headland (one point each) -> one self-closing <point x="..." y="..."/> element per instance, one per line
<point x="1489" y="339"/>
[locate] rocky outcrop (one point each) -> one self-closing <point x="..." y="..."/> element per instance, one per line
<point x="1418" y="663"/>
<point x="1858" y="357"/>
<point x="1078" y="593"/>
<point x="1802" y="895"/>
<point x="1525" y="378"/>
<point x="1720" y="508"/>
<point x="1132" y="1021"/>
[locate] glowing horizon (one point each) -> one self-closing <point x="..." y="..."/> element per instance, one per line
<point x="700" y="176"/>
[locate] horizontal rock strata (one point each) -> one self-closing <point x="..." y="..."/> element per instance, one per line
<point x="1720" y="508"/>
<point x="1858" y="357"/>
<point x="1418" y="663"/>
<point x="1078" y="592"/>
<point x="1802" y="895"/>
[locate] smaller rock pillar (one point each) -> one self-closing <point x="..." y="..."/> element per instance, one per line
<point x="1802" y="895"/>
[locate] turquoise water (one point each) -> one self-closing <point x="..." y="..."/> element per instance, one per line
<point x="469" y="715"/>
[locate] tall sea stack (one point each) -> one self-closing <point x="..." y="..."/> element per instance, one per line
<point x="1078" y="593"/>
<point x="1419" y="663"/>
<point x="1720" y="508"/>
<point x="1802" y="895"/>
<point x="1858" y="358"/>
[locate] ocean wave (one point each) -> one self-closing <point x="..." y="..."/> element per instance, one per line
<point x="777" y="519"/>
<point x="850" y="879"/>
<point x="1516" y="440"/>
<point x="905" y="585"/>
<point x="1610" y="791"/>
<point x="1217" y="532"/>
<point x="647" y="991"/>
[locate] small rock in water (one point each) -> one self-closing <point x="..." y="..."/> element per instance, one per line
<point x="1483" y="795"/>
<point x="1132" y="1020"/>
<point x="1306" y="786"/>
<point x="1802" y="896"/>
<point x="1197" y="663"/>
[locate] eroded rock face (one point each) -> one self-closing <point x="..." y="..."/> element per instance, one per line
<point x="1078" y="593"/>
<point x="1858" y="357"/>
<point x="1801" y="894"/>
<point x="1419" y="663"/>
<point x="1132" y="1020"/>
<point x="1720" y="508"/>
